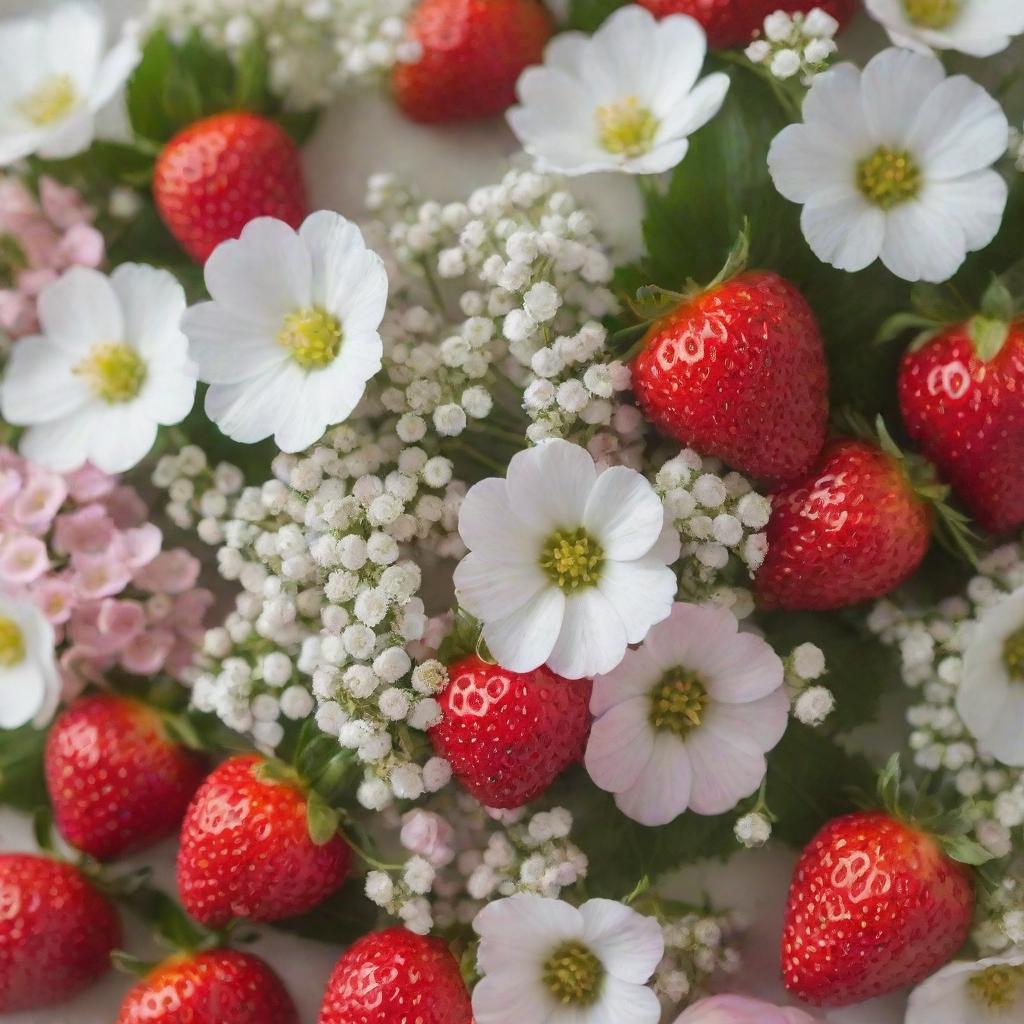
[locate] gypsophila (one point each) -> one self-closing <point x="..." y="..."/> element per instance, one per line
<point x="795" y="44"/>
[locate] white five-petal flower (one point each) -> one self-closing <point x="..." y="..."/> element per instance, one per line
<point x="109" y="367"/>
<point x="895" y="161"/>
<point x="55" y="77"/>
<point x="30" y="684"/>
<point x="546" y="962"/>
<point x="625" y="99"/>
<point x="685" y="721"/>
<point x="989" y="991"/>
<point x="976" y="27"/>
<point x="990" y="699"/>
<point x="291" y="336"/>
<point x="567" y="565"/>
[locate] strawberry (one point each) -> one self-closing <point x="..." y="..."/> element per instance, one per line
<point x="851" y="530"/>
<point x="962" y="404"/>
<point x="731" y="23"/>
<point x="396" y="977"/>
<point x="509" y="735"/>
<point x="738" y="371"/>
<point x="219" y="173"/>
<point x="472" y="53"/>
<point x="117" y="782"/>
<point x="219" y="986"/>
<point x="56" y="932"/>
<point x="875" y="905"/>
<point x="246" y="850"/>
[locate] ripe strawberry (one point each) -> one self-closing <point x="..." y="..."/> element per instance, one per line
<point x="221" y="986"/>
<point x="56" y="932"/>
<point x="219" y="173"/>
<point x="966" y="414"/>
<point x="852" y="529"/>
<point x="875" y="905"/>
<point x="246" y="849"/>
<point x="735" y="22"/>
<point x="473" y="51"/>
<point x="396" y="977"/>
<point x="739" y="372"/>
<point x="116" y="780"/>
<point x="509" y="735"/>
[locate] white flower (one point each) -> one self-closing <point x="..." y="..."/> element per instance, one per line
<point x="686" y="719"/>
<point x="54" y="78"/>
<point x="895" y="162"/>
<point x="566" y="566"/>
<point x="110" y="366"/>
<point x="976" y="27"/>
<point x="290" y="338"/>
<point x="545" y="961"/>
<point x="596" y="105"/>
<point x="29" y="681"/>
<point x="990" y="699"/>
<point x="989" y="990"/>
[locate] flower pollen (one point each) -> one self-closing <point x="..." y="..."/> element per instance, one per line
<point x="1013" y="654"/>
<point x="574" y="975"/>
<point x="12" y="643"/>
<point x="114" y="371"/>
<point x="312" y="337"/>
<point x="50" y="101"/>
<point x="678" y="703"/>
<point x="889" y="177"/>
<point x="572" y="559"/>
<point x="932" y="13"/>
<point x="626" y="128"/>
<point x="997" y="988"/>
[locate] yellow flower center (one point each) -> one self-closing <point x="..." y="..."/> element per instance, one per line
<point x="573" y="559"/>
<point x="114" y="371"/>
<point x="678" y="703"/>
<point x="50" y="101"/>
<point x="997" y="988"/>
<point x="574" y="975"/>
<point x="889" y="177"/>
<point x="1013" y="654"/>
<point x="626" y="128"/>
<point x="932" y="13"/>
<point x="312" y="337"/>
<point x="12" y="643"/>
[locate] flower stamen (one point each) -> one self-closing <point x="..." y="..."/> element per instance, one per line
<point x="572" y="559"/>
<point x="932" y="13"/>
<point x="312" y="337"/>
<point x="678" y="702"/>
<point x="626" y="128"/>
<point x="114" y="371"/>
<point x="998" y="987"/>
<point x="889" y="177"/>
<point x="50" y="101"/>
<point x="12" y="643"/>
<point x="574" y="975"/>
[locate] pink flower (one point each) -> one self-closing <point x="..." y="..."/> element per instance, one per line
<point x="171" y="572"/>
<point x="89" y="484"/>
<point x="429" y="835"/>
<point x="23" y="559"/>
<point x="741" y="1010"/>
<point x="55" y="598"/>
<point x="63" y="205"/>
<point x="126" y="508"/>
<point x="189" y="613"/>
<point x="82" y="246"/>
<point x="39" y="501"/>
<point x="11" y="482"/>
<point x="148" y="652"/>
<point x="98" y="576"/>
<point x="141" y="545"/>
<point x="88" y="531"/>
<point x="120" y="622"/>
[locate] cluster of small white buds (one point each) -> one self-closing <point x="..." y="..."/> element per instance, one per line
<point x="697" y="946"/>
<point x="753" y="830"/>
<point x="999" y="924"/>
<point x="812" y="704"/>
<point x="795" y="44"/>
<point x="198" y="494"/>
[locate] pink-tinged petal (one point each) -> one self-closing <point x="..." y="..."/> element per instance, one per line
<point x="662" y="791"/>
<point x="621" y="745"/>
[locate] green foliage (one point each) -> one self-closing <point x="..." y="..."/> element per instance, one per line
<point x="22" y="784"/>
<point x="587" y="15"/>
<point x="339" y="920"/>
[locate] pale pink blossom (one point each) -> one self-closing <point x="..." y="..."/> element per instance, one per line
<point x="141" y="545"/>
<point x="98" y="576"/>
<point x="88" y="531"/>
<point x="171" y="572"/>
<point x="146" y="654"/>
<point x="120" y="621"/>
<point x="429" y="835"/>
<point x="126" y="508"/>
<point x="55" y="598"/>
<point x="741" y="1010"/>
<point x="23" y="559"/>
<point x="39" y="501"/>
<point x="87" y="483"/>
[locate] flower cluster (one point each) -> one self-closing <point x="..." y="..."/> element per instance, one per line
<point x="795" y="44"/>
<point x="698" y="944"/>
<point x="1000" y="927"/>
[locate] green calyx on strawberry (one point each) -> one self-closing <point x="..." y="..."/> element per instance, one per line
<point x="736" y="369"/>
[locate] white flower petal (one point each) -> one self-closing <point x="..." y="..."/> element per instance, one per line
<point x="152" y="305"/>
<point x="833" y="109"/>
<point x="22" y="693"/>
<point x="976" y="202"/>
<point x="68" y="137"/>
<point x="251" y="411"/>
<point x="946" y="998"/>
<point x="803" y="164"/>
<point x="921" y="244"/>
<point x="758" y="725"/>
<point x="624" y="514"/>
<point x="40" y="383"/>
<point x="524" y="639"/>
<point x="491" y="590"/>
<point x="488" y="524"/>
<point x="511" y="995"/>
<point x="628" y="944"/>
<point x="115" y="69"/>
<point x="1005" y="740"/>
<point x="62" y="444"/>
<point x="747" y="670"/>
<point x="231" y="347"/>
<point x="523" y="927"/>
<point x="843" y="229"/>
<point x="120" y="437"/>
<point x="662" y="791"/>
<point x="549" y="485"/>
<point x="79" y="310"/>
<point x="895" y="86"/>
<point x="74" y="36"/>
<point x="622" y="1001"/>
<point x="694" y="111"/>
<point x="592" y="638"/>
<point x="168" y="397"/>
<point x="634" y="676"/>
<point x="641" y="593"/>
<point x="724" y="772"/>
<point x="620" y="746"/>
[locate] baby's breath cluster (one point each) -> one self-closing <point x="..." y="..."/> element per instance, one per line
<point x="697" y="945"/>
<point x="795" y="44"/>
<point x="1000" y="920"/>
<point x="812" y="702"/>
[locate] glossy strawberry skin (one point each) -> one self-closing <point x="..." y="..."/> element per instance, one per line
<point x="246" y="851"/>
<point x="731" y="23"/>
<point x="874" y="906"/>
<point x="473" y="52"/>
<point x="396" y="977"/>
<point x="221" y="986"/>
<point x="851" y="530"/>
<point x="219" y="173"/>
<point x="967" y="416"/>
<point x="509" y="735"/>
<point x="117" y="782"/>
<point x="739" y="373"/>
<point x="56" y="932"/>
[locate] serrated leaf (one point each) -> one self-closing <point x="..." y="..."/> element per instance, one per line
<point x="339" y="920"/>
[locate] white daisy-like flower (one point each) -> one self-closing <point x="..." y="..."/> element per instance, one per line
<point x="291" y="336"/>
<point x="990" y="698"/>
<point x="976" y="27"/>
<point x="110" y="366"/>
<point x="567" y="565"/>
<point x="547" y="962"/>
<point x="990" y="990"/>
<point x="686" y="720"/>
<point x="29" y="681"/>
<point x="55" y="76"/>
<point x="625" y="99"/>
<point x="895" y="161"/>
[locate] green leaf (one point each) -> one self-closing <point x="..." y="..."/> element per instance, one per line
<point x="299" y="124"/>
<point x="22" y="783"/>
<point x="321" y="819"/>
<point x="251" y="92"/>
<point x="339" y="920"/>
<point x="145" y="90"/>
<point x="588" y="15"/>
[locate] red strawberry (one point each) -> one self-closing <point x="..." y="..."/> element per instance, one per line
<point x="219" y="173"/>
<point x="739" y="372"/>
<point x="116" y="780"/>
<point x="220" y="986"/>
<point x="509" y="735"/>
<point x="875" y="905"/>
<point x="851" y="530"/>
<point x="735" y="22"/>
<point x="473" y="52"/>
<point x="56" y="932"/>
<point x="246" y="849"/>
<point x="396" y="977"/>
<point x="966" y="413"/>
